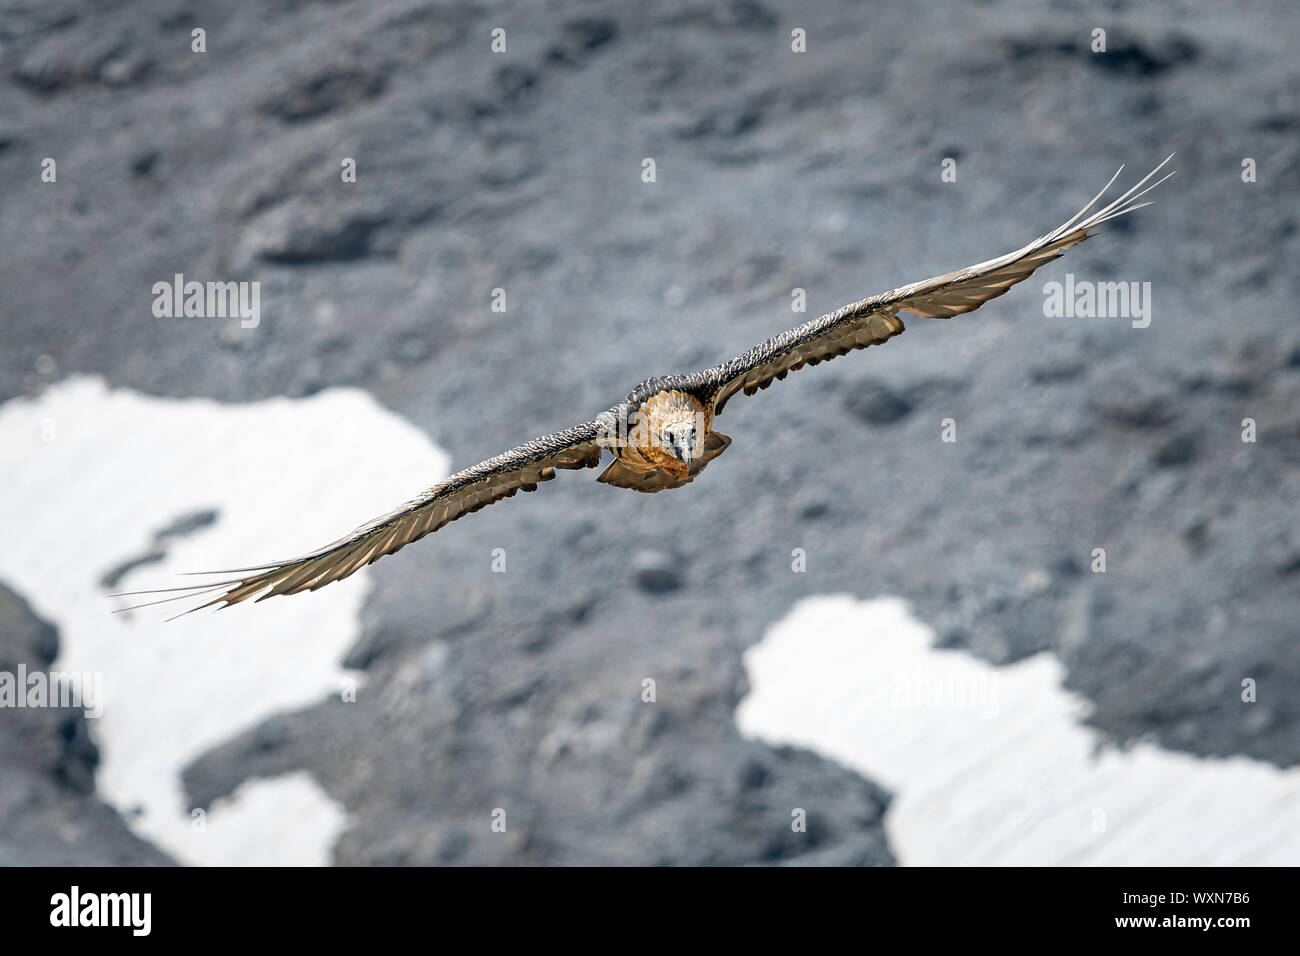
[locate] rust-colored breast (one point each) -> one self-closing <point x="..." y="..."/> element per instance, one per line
<point x="655" y="412"/>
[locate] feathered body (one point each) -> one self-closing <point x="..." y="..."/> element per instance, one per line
<point x="644" y="461"/>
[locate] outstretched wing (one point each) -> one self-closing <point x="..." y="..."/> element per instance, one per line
<point x="875" y="320"/>
<point x="521" y="468"/>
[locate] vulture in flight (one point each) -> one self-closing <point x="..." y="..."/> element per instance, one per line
<point x="661" y="435"/>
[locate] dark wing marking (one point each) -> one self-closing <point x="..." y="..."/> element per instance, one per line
<point x="521" y="468"/>
<point x="874" y="321"/>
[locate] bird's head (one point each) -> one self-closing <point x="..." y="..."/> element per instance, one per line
<point x="681" y="440"/>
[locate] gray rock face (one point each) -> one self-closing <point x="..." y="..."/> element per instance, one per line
<point x="49" y="814"/>
<point x="775" y="171"/>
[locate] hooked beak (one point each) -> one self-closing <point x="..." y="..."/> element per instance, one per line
<point x="678" y="439"/>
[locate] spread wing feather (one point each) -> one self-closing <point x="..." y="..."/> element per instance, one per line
<point x="875" y="320"/>
<point x="521" y="468"/>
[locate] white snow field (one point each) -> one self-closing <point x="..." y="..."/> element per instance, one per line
<point x="90" y="473"/>
<point x="992" y="765"/>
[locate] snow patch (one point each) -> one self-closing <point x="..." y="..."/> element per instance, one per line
<point x="992" y="765"/>
<point x="91" y="474"/>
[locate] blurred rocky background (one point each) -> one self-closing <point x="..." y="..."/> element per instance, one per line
<point x="775" y="170"/>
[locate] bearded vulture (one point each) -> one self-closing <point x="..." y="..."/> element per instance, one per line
<point x="661" y="435"/>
